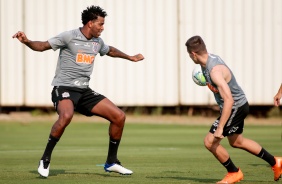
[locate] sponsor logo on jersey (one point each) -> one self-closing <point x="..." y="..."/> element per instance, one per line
<point x="212" y="88"/>
<point x="84" y="58"/>
<point x="80" y="83"/>
<point x="209" y="83"/>
<point x="95" y="93"/>
<point x="87" y="45"/>
<point x="77" y="83"/>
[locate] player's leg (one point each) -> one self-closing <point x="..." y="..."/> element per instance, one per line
<point x="106" y="109"/>
<point x="238" y="141"/>
<point x="221" y="154"/>
<point x="213" y="145"/>
<point x="234" y="133"/>
<point x="65" y="110"/>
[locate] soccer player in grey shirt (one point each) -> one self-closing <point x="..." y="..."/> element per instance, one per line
<point x="234" y="108"/>
<point x="71" y="92"/>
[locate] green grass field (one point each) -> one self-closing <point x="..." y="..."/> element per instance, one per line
<point x="157" y="153"/>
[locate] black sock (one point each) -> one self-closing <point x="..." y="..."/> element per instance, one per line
<point x="52" y="141"/>
<point x="263" y="154"/>
<point x="112" y="152"/>
<point x="229" y="165"/>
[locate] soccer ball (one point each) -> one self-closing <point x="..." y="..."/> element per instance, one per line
<point x="198" y="76"/>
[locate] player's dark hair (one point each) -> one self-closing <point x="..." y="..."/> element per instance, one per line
<point x="92" y="13"/>
<point x="196" y="44"/>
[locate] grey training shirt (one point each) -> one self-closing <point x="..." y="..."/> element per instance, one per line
<point x="236" y="91"/>
<point x="76" y="58"/>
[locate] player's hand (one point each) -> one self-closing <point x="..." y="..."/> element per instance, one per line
<point x="277" y="98"/>
<point x="136" y="58"/>
<point x="21" y="37"/>
<point x="218" y="133"/>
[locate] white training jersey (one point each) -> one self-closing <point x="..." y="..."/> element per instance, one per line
<point x="76" y="58"/>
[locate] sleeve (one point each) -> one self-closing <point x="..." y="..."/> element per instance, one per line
<point x="60" y="41"/>
<point x="104" y="48"/>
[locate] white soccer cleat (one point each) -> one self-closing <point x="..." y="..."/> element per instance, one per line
<point x="116" y="167"/>
<point x="43" y="168"/>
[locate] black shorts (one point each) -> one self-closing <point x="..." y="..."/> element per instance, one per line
<point x="83" y="99"/>
<point x="235" y="123"/>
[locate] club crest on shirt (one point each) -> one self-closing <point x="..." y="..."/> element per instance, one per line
<point x="65" y="95"/>
<point x="95" y="47"/>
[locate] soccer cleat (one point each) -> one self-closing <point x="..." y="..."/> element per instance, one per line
<point x="118" y="168"/>
<point x="277" y="168"/>
<point x="43" y="168"/>
<point x="279" y="160"/>
<point x="232" y="177"/>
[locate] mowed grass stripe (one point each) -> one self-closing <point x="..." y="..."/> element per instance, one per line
<point x="156" y="153"/>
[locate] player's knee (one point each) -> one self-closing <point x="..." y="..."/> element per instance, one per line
<point x="235" y="145"/>
<point x="119" y="118"/>
<point x="207" y="144"/>
<point x="65" y="117"/>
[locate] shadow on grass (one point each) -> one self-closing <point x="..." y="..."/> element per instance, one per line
<point x="205" y="180"/>
<point x="259" y="165"/>
<point x="200" y="180"/>
<point x="53" y="173"/>
<point x="57" y="172"/>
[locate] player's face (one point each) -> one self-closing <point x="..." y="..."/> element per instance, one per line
<point x="97" y="26"/>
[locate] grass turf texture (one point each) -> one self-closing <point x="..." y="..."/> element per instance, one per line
<point x="157" y="153"/>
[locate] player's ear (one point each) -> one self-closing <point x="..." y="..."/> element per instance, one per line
<point x="90" y="23"/>
<point x="194" y="54"/>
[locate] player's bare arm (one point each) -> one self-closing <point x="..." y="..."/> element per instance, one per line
<point x="114" y="52"/>
<point x="278" y="96"/>
<point x="221" y="76"/>
<point x="34" y="45"/>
